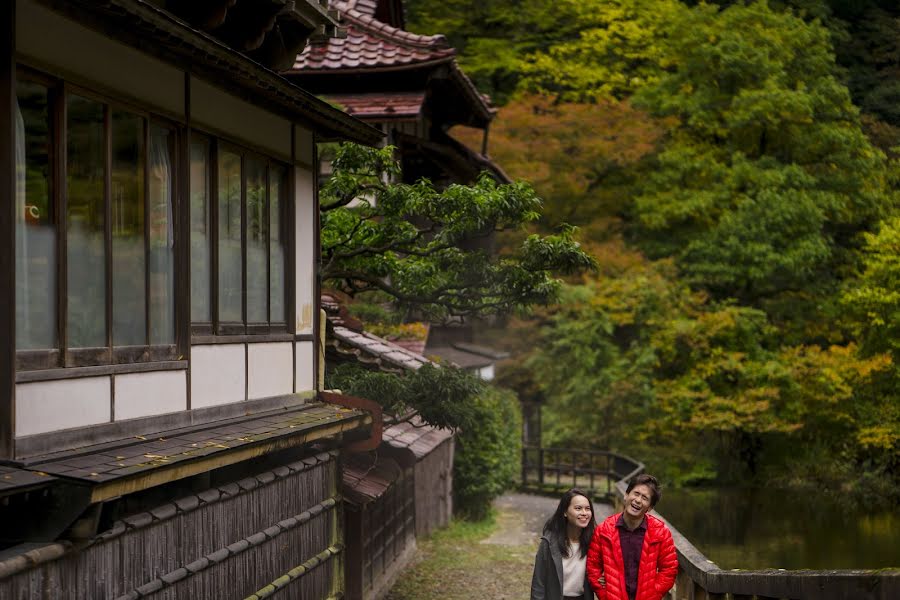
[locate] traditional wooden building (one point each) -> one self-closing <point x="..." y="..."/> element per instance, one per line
<point x="408" y="85"/>
<point x="411" y="87"/>
<point x="161" y="431"/>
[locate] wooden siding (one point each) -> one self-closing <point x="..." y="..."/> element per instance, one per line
<point x="225" y="542"/>
<point x="434" y="489"/>
<point x="380" y="539"/>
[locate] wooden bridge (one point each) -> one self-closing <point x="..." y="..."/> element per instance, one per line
<point x="605" y="475"/>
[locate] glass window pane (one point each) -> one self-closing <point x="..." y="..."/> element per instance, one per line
<point x="229" y="205"/>
<point x="85" y="222"/>
<point x="35" y="223"/>
<point x="162" y="236"/>
<point x="128" y="254"/>
<point x="277" y="222"/>
<point x="257" y="243"/>
<point x="201" y="309"/>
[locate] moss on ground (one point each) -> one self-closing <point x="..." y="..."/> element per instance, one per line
<point x="456" y="564"/>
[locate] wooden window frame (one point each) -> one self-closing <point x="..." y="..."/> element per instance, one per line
<point x="63" y="356"/>
<point x="218" y="331"/>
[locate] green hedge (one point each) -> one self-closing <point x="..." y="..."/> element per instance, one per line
<point x="488" y="454"/>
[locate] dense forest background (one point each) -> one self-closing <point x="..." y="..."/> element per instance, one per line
<point x="733" y="168"/>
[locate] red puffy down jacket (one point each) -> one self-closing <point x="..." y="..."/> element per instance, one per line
<point x="658" y="566"/>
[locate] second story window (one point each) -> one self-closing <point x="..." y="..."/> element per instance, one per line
<point x="237" y="240"/>
<point x="95" y="230"/>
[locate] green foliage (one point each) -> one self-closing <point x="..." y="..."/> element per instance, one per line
<point x="620" y="47"/>
<point x="768" y="178"/>
<point x="492" y="36"/>
<point x="488" y="452"/>
<point x="726" y="143"/>
<point x="873" y="300"/>
<point x="408" y="241"/>
<point x="637" y="362"/>
<point x="442" y="397"/>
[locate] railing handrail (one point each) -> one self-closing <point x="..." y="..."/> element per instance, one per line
<point x="634" y="467"/>
<point x="799" y="584"/>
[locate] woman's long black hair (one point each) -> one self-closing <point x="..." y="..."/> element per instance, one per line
<point x="555" y="527"/>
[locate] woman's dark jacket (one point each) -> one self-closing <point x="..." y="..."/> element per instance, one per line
<point x="546" y="583"/>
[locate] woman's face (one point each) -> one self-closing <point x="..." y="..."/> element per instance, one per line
<point x="579" y="511"/>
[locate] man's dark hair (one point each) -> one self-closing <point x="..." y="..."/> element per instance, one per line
<point x="651" y="482"/>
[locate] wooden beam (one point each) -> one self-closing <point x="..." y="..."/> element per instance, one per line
<point x="7" y="229"/>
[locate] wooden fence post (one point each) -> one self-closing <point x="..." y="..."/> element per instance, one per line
<point x="541" y="467"/>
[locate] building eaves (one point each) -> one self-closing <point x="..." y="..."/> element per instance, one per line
<point x="124" y="466"/>
<point x="460" y="358"/>
<point x="147" y="27"/>
<point x="415" y="436"/>
<point x="380" y="106"/>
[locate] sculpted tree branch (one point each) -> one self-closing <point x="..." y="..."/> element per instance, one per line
<point x="421" y="247"/>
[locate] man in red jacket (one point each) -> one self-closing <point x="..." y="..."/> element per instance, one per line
<point x="632" y="556"/>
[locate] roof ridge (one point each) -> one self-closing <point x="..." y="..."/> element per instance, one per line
<point x="372" y="25"/>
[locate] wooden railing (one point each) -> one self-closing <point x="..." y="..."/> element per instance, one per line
<point x="701" y="579"/>
<point x="594" y="471"/>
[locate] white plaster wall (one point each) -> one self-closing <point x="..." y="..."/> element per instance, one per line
<point x="53" y="405"/>
<point x="305" y="377"/>
<point x="222" y="112"/>
<point x="303" y="146"/>
<point x="218" y="374"/>
<point x="306" y="222"/>
<point x="145" y="394"/>
<point x="49" y="40"/>
<point x="270" y="368"/>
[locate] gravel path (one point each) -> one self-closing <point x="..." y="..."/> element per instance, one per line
<point x="521" y="517"/>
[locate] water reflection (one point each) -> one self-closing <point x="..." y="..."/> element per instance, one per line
<point x="765" y="528"/>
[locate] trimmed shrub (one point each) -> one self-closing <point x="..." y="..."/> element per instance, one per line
<point x="488" y="453"/>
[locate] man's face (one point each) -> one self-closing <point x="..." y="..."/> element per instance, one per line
<point x="638" y="501"/>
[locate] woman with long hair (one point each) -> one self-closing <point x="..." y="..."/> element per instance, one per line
<point x="559" y="567"/>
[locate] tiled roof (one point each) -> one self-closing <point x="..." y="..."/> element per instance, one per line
<point x="14" y="480"/>
<point x="461" y="358"/>
<point x="371" y="349"/>
<point x="415" y="436"/>
<point x="347" y="337"/>
<point x="380" y="106"/>
<point x="367" y="476"/>
<point x="366" y="7"/>
<point x="371" y="44"/>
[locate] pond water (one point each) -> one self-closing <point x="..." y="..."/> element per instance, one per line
<point x="766" y="528"/>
